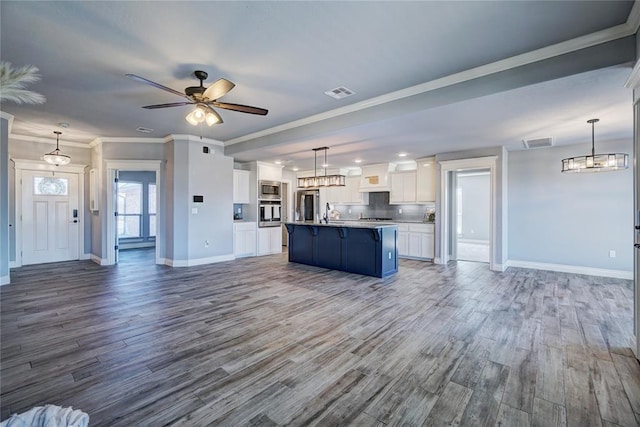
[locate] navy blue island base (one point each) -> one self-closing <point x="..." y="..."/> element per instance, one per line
<point x="362" y="248"/>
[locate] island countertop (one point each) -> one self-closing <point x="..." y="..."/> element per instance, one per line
<point x="349" y="224"/>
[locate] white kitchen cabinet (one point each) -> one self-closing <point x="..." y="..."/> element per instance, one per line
<point x="244" y="239"/>
<point x="375" y="177"/>
<point x="241" y="186"/>
<point x="416" y="241"/>
<point x="403" y="187"/>
<point x="347" y="195"/>
<point x="269" y="240"/>
<point x="426" y="180"/>
<point x="269" y="172"/>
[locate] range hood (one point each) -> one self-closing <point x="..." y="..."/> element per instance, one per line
<point x="375" y="178"/>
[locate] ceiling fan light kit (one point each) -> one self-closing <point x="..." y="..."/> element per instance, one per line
<point x="595" y="162"/>
<point x="56" y="157"/>
<point x="316" y="181"/>
<point x="205" y="98"/>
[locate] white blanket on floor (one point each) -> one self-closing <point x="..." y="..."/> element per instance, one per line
<point x="48" y="416"/>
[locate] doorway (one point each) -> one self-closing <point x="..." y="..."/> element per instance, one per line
<point x="114" y="169"/>
<point x="471" y="215"/>
<point x="49" y="202"/>
<point x="447" y="210"/>
<point x="136" y="217"/>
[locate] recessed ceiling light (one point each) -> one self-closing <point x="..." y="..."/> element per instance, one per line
<point x="358" y="160"/>
<point x="325" y="165"/>
<point x="63" y="125"/>
<point x="295" y="169"/>
<point x="278" y="162"/>
<point x="144" y="130"/>
<point x="402" y="154"/>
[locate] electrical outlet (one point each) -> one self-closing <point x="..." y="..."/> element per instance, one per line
<point x="400" y="211"/>
<point x="349" y="210"/>
<point x="612" y="254"/>
<point x="206" y="243"/>
<point x="389" y="255"/>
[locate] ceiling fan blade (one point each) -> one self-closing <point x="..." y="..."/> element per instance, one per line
<point x="172" y="104"/>
<point x="156" y="85"/>
<point x="241" y="108"/>
<point x="218" y="89"/>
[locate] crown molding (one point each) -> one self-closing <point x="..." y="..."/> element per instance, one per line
<point x="47" y="141"/>
<point x="609" y="34"/>
<point x="192" y="138"/>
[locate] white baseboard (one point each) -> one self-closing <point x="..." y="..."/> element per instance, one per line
<point x="13" y="264"/>
<point x="5" y="280"/>
<point x="500" y="267"/>
<point x="563" y="268"/>
<point x="85" y="256"/>
<point x="97" y="259"/>
<point x="199" y="261"/>
<point x="437" y="260"/>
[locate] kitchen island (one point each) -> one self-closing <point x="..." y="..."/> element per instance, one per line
<point x="356" y="247"/>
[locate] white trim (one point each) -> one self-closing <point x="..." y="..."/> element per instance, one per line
<point x="5" y="280"/>
<point x="568" y="46"/>
<point x="154" y="140"/>
<point x="97" y="259"/>
<point x="633" y="20"/>
<point x="437" y="260"/>
<point x="51" y="141"/>
<point x="446" y="166"/>
<point x="85" y="256"/>
<point x="41" y="165"/>
<point x="198" y="261"/>
<point x="576" y="269"/>
<point x="500" y="267"/>
<point x="132" y="165"/>
<point x="21" y="165"/>
<point x="193" y="138"/>
<point x="13" y="264"/>
<point x="9" y="118"/>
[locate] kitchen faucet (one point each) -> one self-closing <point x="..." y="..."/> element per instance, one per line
<point x="326" y="214"/>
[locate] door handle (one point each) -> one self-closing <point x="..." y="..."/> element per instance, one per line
<point x="636" y="245"/>
<point x="75" y="221"/>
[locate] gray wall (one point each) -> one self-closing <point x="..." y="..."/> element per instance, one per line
<point x="209" y="175"/>
<point x="4" y="199"/>
<point x="476" y="206"/>
<point x="571" y="219"/>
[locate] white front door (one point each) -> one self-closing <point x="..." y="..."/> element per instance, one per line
<point x="50" y="217"/>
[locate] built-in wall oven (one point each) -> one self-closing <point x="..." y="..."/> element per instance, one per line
<point x="270" y="212"/>
<point x="269" y="190"/>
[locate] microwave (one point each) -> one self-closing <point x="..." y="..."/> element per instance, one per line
<point x="269" y="190"/>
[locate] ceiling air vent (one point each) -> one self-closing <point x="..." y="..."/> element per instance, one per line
<point x="537" y="142"/>
<point x="144" y="130"/>
<point x="339" y="92"/>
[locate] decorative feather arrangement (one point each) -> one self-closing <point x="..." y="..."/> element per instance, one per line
<point x="13" y="82"/>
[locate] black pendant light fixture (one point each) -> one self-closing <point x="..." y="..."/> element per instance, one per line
<point x="316" y="181"/>
<point x="56" y="157"/>
<point x="595" y="162"/>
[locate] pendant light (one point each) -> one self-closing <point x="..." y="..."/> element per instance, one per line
<point x="595" y="162"/>
<point x="316" y="181"/>
<point x="56" y="157"/>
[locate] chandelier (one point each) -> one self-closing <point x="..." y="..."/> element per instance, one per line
<point x="321" y="181"/>
<point x="595" y="162"/>
<point x="56" y="157"/>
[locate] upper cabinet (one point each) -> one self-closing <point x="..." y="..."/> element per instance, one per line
<point x="426" y="180"/>
<point x="375" y="178"/>
<point x="241" y="186"/>
<point x="269" y="172"/>
<point x="349" y="194"/>
<point x="403" y="187"/>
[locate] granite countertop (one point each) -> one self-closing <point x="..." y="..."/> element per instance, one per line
<point x="352" y="224"/>
<point x="394" y="221"/>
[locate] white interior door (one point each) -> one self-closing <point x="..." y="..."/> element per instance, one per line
<point x="50" y="217"/>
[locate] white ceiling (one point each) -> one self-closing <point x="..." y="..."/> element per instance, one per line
<point x="284" y="55"/>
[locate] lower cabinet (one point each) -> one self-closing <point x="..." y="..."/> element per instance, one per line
<point x="416" y="241"/>
<point x="269" y="240"/>
<point x="244" y="239"/>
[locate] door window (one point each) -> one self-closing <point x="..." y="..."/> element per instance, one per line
<point x="50" y="186"/>
<point x="129" y="209"/>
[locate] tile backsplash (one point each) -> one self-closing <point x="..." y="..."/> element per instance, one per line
<point x="379" y="207"/>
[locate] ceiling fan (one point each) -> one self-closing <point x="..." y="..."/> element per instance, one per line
<point x="205" y="98"/>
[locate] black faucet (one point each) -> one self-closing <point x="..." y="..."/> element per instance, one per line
<point x="326" y="214"/>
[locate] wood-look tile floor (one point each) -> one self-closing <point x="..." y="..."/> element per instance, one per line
<point x="259" y="341"/>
